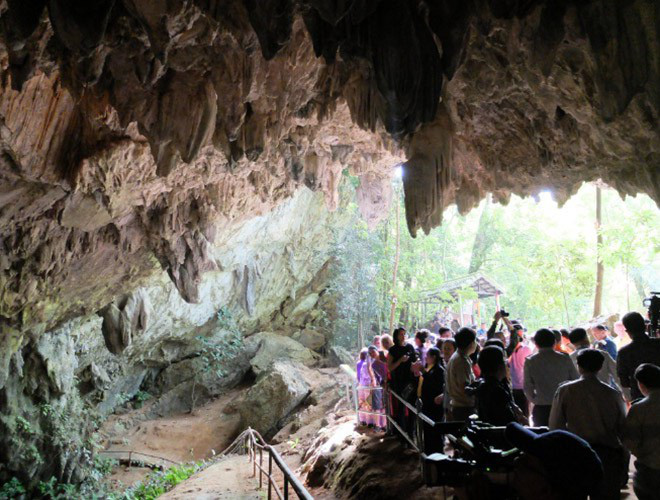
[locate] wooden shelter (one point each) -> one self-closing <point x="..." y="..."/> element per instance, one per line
<point x="482" y="285"/>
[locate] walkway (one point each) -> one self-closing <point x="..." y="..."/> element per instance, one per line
<point x="229" y="479"/>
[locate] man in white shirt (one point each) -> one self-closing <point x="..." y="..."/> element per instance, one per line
<point x="642" y="433"/>
<point x="607" y="373"/>
<point x="544" y="372"/>
<point x="596" y="412"/>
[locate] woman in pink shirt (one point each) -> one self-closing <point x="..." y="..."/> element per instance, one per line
<point x="516" y="368"/>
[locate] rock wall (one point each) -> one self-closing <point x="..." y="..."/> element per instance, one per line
<point x="151" y="339"/>
<point x="144" y="143"/>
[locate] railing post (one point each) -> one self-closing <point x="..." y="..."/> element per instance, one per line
<point x="387" y="399"/>
<point x="270" y="473"/>
<point x="261" y="465"/>
<point x="286" y="487"/>
<point x="355" y="401"/>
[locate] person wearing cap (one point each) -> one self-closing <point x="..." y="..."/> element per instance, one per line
<point x="596" y="412"/>
<point x="642" y="433"/>
<point x="543" y="374"/>
<point x="549" y="460"/>
<point x="641" y="350"/>
<point x="603" y="340"/>
<point x="607" y="373"/>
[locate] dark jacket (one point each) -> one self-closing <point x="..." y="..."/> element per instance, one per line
<point x="640" y="350"/>
<point x="495" y="403"/>
<point x="432" y="386"/>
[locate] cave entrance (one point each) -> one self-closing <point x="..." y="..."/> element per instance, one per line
<point x="591" y="259"/>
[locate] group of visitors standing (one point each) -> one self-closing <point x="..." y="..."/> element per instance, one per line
<point x="609" y="397"/>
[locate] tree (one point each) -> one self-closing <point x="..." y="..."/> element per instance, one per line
<point x="396" y="259"/>
<point x="598" y="296"/>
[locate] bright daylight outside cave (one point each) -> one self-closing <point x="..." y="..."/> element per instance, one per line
<point x="329" y="249"/>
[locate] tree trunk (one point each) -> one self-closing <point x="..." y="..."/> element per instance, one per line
<point x="627" y="288"/>
<point x="396" y="263"/>
<point x="482" y="240"/>
<point x="598" y="299"/>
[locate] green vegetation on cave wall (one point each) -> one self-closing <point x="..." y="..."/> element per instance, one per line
<point x="542" y="255"/>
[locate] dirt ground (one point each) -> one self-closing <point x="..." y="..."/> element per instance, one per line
<point x="213" y="426"/>
<point x="229" y="479"/>
<point x="180" y="438"/>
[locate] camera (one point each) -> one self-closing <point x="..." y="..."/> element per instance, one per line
<point x="653" y="304"/>
<point x="503" y="313"/>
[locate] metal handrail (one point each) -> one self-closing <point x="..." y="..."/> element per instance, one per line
<point x="131" y="457"/>
<point x="416" y="440"/>
<point x="255" y="443"/>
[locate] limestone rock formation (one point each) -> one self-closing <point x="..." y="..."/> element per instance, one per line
<point x="158" y="156"/>
<point x="278" y="390"/>
<point x="130" y="130"/>
<point x="273" y="347"/>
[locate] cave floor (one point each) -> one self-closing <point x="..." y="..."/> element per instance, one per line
<point x="231" y="478"/>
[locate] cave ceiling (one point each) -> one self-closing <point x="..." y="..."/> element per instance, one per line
<point x="131" y="129"/>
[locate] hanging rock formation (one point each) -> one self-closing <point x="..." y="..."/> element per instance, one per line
<point x="130" y="128"/>
<point x="144" y="139"/>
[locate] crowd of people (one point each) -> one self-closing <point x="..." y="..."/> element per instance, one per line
<point x="579" y="381"/>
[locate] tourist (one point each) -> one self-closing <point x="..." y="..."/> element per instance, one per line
<point x="385" y="342"/>
<point x="594" y="411"/>
<point x="445" y="333"/>
<point x="420" y="348"/>
<point x="494" y="400"/>
<point x="494" y="342"/>
<point x="430" y="391"/>
<point x="399" y="363"/>
<point x="474" y="357"/>
<point x="517" y="360"/>
<point x="543" y="373"/>
<point x="607" y="374"/>
<point x="366" y="380"/>
<point x="446" y="317"/>
<point x="566" y="341"/>
<point x="481" y="332"/>
<point x="603" y="340"/>
<point x="642" y="433"/>
<point x="376" y="342"/>
<point x="448" y="349"/>
<point x="362" y="358"/>
<point x="459" y="374"/>
<point x="559" y="343"/>
<point x="642" y="349"/>
<point x="379" y="370"/>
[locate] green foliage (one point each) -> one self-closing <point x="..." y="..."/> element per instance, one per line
<point x="12" y="489"/>
<point x="160" y="482"/>
<point x="542" y="256"/>
<point x="23" y="426"/>
<point x="104" y="465"/>
<point x="55" y="490"/>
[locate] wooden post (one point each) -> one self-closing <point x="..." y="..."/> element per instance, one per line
<point x="460" y="305"/>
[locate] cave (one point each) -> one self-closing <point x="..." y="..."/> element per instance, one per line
<point x="169" y="171"/>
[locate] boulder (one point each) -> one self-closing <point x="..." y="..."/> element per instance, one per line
<point x="337" y="355"/>
<point x="272" y="347"/>
<point x="310" y="338"/>
<point x="276" y="393"/>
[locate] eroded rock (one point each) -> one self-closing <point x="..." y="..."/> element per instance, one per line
<point x="277" y="391"/>
<point x="273" y="347"/>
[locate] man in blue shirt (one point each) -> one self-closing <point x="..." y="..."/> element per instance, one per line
<point x="603" y="340"/>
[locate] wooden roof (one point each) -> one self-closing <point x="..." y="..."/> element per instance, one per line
<point x="482" y="285"/>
